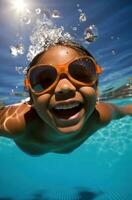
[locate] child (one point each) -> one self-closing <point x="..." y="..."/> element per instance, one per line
<point x="63" y="111"/>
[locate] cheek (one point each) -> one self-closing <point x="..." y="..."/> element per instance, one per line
<point x="41" y="102"/>
<point x="89" y="95"/>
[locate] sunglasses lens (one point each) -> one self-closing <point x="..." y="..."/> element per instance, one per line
<point x="83" y="70"/>
<point x="42" y="77"/>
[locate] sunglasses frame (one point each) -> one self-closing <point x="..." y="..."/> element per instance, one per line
<point x="61" y="69"/>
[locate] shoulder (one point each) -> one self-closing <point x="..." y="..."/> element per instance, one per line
<point x="105" y="112"/>
<point x="14" y="110"/>
<point x="12" y="119"/>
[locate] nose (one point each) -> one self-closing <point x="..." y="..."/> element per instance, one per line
<point x="65" y="89"/>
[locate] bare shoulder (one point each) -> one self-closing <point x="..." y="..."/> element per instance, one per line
<point x="12" y="119"/>
<point x="105" y="112"/>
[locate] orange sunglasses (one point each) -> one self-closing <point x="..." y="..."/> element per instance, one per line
<point x="82" y="71"/>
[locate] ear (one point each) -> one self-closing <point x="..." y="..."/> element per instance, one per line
<point x="97" y="91"/>
<point x="97" y="94"/>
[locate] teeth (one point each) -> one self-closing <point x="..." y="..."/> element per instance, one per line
<point x="66" y="106"/>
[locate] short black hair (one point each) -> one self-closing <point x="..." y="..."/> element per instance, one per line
<point x="67" y="43"/>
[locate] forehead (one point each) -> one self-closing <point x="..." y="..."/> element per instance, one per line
<point x="59" y="55"/>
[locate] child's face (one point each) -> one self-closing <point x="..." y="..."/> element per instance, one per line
<point x="67" y="106"/>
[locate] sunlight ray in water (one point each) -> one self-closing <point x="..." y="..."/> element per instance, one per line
<point x="113" y="141"/>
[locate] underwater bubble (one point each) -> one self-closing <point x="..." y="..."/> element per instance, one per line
<point x="82" y="17"/>
<point x="56" y="14"/>
<point x="91" y="33"/>
<point x="78" y="5"/>
<point x="44" y="34"/>
<point x="80" y="10"/>
<point x="13" y="51"/>
<point x="38" y="11"/>
<point x="14" y="91"/>
<point x="74" y="28"/>
<point x="46" y="13"/>
<point x="21" y="70"/>
<point x="18" y="49"/>
<point x="66" y="36"/>
<point x="26" y="17"/>
<point x="113" y="51"/>
<point x="25" y="70"/>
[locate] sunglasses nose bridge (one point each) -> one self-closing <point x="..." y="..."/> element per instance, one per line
<point x="63" y="68"/>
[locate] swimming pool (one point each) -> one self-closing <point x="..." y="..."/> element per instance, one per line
<point x="101" y="167"/>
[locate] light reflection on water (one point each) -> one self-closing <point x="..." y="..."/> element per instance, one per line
<point x="113" y="140"/>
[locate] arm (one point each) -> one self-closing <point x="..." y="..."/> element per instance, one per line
<point x="12" y="120"/>
<point x="108" y="112"/>
<point x="120" y="111"/>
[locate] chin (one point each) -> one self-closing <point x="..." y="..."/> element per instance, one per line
<point x="70" y="130"/>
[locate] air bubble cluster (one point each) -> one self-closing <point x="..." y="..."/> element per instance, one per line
<point x="21" y="70"/>
<point x="91" y="33"/>
<point x="38" y="11"/>
<point x="16" y="50"/>
<point x="44" y="35"/>
<point x="56" y="14"/>
<point x="82" y="17"/>
<point x="26" y="17"/>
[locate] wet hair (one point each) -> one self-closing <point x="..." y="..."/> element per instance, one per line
<point x="69" y="43"/>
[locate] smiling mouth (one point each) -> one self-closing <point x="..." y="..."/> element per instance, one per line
<point x="65" y="111"/>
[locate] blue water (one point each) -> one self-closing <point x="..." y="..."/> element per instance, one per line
<point x="101" y="167"/>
